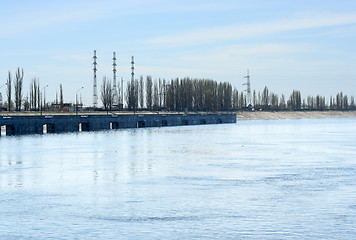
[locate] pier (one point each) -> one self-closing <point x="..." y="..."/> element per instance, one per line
<point x="14" y="125"/>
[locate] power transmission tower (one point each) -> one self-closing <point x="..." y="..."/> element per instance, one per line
<point x="115" y="95"/>
<point x="248" y="90"/>
<point x="95" y="90"/>
<point x="132" y="69"/>
<point x="132" y="94"/>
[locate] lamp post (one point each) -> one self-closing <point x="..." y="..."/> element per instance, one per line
<point x="41" y="96"/>
<point x="76" y="100"/>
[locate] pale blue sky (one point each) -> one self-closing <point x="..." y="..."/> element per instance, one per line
<point x="307" y="45"/>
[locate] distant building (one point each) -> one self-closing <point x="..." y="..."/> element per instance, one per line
<point x="67" y="107"/>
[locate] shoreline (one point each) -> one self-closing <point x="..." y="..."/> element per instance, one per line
<point x="240" y="115"/>
<point x="266" y="115"/>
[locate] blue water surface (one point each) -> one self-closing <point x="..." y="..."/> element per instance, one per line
<point x="265" y="179"/>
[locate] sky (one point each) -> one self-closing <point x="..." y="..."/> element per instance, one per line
<point x="305" y="45"/>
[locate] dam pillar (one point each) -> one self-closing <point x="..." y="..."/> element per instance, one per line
<point x="84" y="127"/>
<point x="114" y="125"/>
<point x="7" y="130"/>
<point x="141" y="124"/>
<point x="48" y="128"/>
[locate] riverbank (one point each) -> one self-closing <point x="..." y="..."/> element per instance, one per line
<point x="240" y="115"/>
<point x="264" y="115"/>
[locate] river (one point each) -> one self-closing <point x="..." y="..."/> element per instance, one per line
<point x="264" y="179"/>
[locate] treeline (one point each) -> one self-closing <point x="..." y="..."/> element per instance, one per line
<point x="179" y="95"/>
<point x="209" y="95"/>
<point x="267" y="100"/>
<point x="173" y="95"/>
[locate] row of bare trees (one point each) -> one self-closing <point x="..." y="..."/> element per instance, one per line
<point x="19" y="102"/>
<point x="209" y="95"/>
<point x="15" y="97"/>
<point x="178" y="95"/>
<point x="175" y="95"/>
<point x="270" y="101"/>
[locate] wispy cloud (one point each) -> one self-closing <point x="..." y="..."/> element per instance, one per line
<point x="239" y="31"/>
<point x="31" y="17"/>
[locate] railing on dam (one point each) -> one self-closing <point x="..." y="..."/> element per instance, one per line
<point x="11" y="125"/>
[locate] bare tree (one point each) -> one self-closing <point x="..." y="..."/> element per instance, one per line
<point x="160" y="93"/>
<point x="345" y="103"/>
<point x="31" y="94"/>
<point x="18" y="83"/>
<point x="61" y="102"/>
<point x="35" y="94"/>
<point x="282" y="103"/>
<point x="155" y="96"/>
<point x="107" y="95"/>
<point x="295" y="101"/>
<point x="331" y="104"/>
<point x="119" y="93"/>
<point x="274" y="101"/>
<point x="149" y="92"/>
<point x="164" y="93"/>
<point x="235" y="99"/>
<point x="141" y="92"/>
<point x="265" y="98"/>
<point x="26" y="104"/>
<point x="8" y="92"/>
<point x="352" y="103"/>
<point x="241" y="100"/>
<point x="128" y="94"/>
<point x="38" y="92"/>
<point x="227" y="96"/>
<point x="339" y="101"/>
<point x="136" y="85"/>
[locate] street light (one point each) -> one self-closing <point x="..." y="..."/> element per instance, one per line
<point x="41" y="96"/>
<point x="76" y="100"/>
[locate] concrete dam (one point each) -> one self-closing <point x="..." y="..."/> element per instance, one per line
<point x="35" y="124"/>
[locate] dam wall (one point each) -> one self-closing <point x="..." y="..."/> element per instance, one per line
<point x="12" y="125"/>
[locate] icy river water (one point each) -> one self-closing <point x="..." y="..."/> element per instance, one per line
<point x="265" y="179"/>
